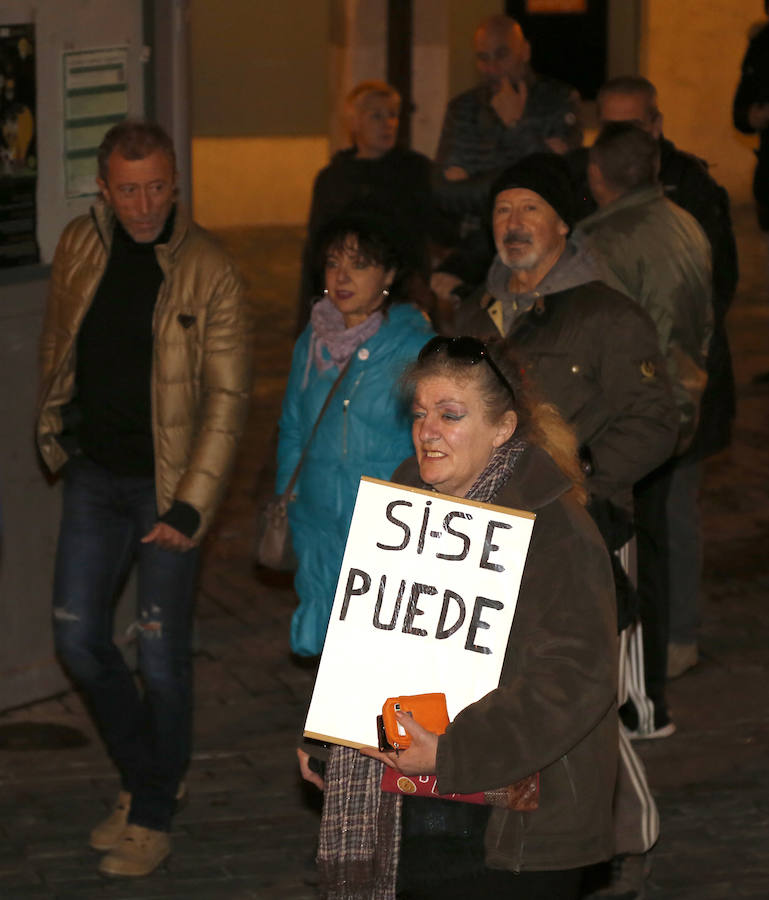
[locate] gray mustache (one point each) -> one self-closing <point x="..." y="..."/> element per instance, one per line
<point x="517" y="236"/>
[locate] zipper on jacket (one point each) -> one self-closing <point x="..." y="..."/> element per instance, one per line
<point x="345" y="408"/>
<point x="567" y="768"/>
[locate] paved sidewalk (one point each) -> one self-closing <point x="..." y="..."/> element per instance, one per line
<point x="249" y="828"/>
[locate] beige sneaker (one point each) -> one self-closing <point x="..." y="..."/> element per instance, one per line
<point x="138" y="852"/>
<point x="107" y="833"/>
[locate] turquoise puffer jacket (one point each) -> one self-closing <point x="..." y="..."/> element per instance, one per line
<point x="365" y="431"/>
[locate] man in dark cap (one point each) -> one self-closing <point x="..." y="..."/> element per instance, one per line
<point x="593" y="353"/>
<point x="591" y="350"/>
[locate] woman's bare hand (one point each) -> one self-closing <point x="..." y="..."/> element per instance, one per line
<point x="419" y="759"/>
<point x="304" y="767"/>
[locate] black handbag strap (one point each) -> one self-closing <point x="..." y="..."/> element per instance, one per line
<point x="334" y="386"/>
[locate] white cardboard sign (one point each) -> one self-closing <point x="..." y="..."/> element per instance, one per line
<point x="424" y="603"/>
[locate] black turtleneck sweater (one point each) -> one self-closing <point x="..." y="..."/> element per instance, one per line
<point x="114" y="365"/>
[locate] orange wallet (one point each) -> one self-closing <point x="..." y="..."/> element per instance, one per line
<point x="427" y="709"/>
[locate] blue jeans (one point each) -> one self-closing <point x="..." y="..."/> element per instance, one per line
<point x="147" y="731"/>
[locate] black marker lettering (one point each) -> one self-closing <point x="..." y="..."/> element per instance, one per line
<point x="396" y="608"/>
<point x="350" y="591"/>
<point x="412" y="610"/>
<point x="423" y="532"/>
<point x="441" y="632"/>
<point x="465" y="539"/>
<point x="476" y="623"/>
<point x="489" y="548"/>
<point x="391" y="518"/>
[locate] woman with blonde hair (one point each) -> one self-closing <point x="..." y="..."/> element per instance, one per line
<point x="373" y="175"/>
<point x="479" y="434"/>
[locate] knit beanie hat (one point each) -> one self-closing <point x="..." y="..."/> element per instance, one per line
<point x="546" y="174"/>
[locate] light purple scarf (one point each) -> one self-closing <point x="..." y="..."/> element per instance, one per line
<point x="328" y="332"/>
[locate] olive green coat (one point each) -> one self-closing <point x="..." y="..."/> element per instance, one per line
<point x="657" y="254"/>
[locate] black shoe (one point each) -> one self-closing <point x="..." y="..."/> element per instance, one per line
<point x="627" y="878"/>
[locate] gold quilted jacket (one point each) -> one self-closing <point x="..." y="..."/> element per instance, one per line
<point x="201" y="368"/>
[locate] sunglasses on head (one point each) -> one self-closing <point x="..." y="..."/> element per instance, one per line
<point x="470" y="349"/>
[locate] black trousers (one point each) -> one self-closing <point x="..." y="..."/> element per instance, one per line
<point x="653" y="581"/>
<point x="442" y="856"/>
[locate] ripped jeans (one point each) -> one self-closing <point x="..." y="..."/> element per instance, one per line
<point x="147" y="730"/>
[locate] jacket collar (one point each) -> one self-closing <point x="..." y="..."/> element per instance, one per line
<point x="536" y="481"/>
<point x="576" y="266"/>
<point x="104" y="220"/>
<point x="634" y="199"/>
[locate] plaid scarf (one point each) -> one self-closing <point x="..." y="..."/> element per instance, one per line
<point x="359" y="843"/>
<point x="359" y="832"/>
<point x="497" y="472"/>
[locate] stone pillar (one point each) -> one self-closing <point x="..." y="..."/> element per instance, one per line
<point x="358" y="52"/>
<point x="170" y="75"/>
<point x="430" y="78"/>
<point x="28" y="669"/>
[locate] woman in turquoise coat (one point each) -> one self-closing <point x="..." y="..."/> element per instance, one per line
<point x="362" y="318"/>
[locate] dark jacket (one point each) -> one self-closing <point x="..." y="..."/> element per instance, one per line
<point x="593" y="353"/>
<point x="686" y="181"/>
<point x="657" y="254"/>
<point x="395" y="187"/>
<point x="554" y="710"/>
<point x="754" y="88"/>
<point x="475" y="138"/>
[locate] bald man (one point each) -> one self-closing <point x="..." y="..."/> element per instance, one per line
<point x="511" y="113"/>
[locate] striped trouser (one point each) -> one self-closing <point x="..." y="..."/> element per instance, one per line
<point x="636" y="821"/>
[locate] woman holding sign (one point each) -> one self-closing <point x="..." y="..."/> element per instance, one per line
<point x="361" y="336"/>
<point x="478" y="435"/>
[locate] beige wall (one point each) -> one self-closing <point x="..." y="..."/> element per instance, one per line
<point x="259" y="67"/>
<point x="692" y="50"/>
<point x="260" y="108"/>
<point x="255" y="181"/>
<point x="464" y="16"/>
<point x="263" y="118"/>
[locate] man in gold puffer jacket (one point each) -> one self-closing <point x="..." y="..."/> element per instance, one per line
<point x="144" y="385"/>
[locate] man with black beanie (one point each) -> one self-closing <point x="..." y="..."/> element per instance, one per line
<point x="593" y="353"/>
<point x="589" y="349"/>
<point x="145" y="383"/>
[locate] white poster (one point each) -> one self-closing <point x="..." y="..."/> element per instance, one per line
<point x="424" y="603"/>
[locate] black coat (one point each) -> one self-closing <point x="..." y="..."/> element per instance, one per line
<point x="594" y="353"/>
<point x="754" y="88"/>
<point x="395" y="188"/>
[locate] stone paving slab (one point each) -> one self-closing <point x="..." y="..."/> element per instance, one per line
<point x="249" y="828"/>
